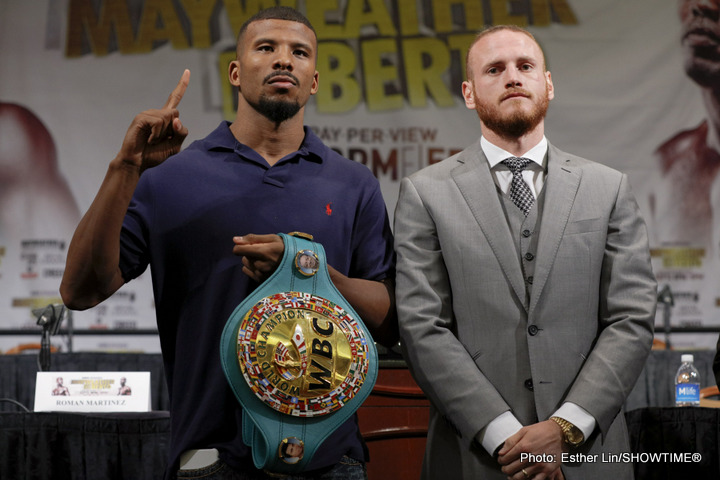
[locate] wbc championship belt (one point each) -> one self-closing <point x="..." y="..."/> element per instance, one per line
<point x="298" y="358"/>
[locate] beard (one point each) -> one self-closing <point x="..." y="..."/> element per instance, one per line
<point x="703" y="67"/>
<point x="277" y="111"/>
<point x="701" y="56"/>
<point x="517" y="123"/>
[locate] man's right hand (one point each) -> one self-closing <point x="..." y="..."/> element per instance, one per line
<point x="543" y="440"/>
<point x="92" y="270"/>
<point x="155" y="135"/>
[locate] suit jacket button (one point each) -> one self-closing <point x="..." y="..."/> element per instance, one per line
<point x="529" y="257"/>
<point x="526" y="233"/>
<point x="529" y="384"/>
<point x="533" y="330"/>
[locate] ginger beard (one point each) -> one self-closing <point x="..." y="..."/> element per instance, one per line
<point x="518" y="122"/>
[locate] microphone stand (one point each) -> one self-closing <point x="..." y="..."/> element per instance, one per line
<point x="44" y="355"/>
<point x="49" y="318"/>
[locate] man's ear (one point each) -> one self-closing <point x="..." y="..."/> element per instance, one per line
<point x="550" y="86"/>
<point x="316" y="83"/>
<point x="467" y="91"/>
<point x="234" y="73"/>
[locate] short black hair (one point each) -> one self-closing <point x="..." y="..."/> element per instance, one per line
<point x="276" y="13"/>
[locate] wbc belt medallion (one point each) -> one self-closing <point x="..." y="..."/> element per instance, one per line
<point x="302" y="354"/>
<point x="298" y="358"/>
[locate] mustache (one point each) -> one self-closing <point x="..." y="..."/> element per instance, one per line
<point x="514" y="91"/>
<point x="702" y="26"/>
<point x="279" y="73"/>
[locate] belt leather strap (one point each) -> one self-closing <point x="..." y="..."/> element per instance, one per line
<point x="298" y="358"/>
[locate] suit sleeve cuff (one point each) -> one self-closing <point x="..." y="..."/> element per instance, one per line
<point x="497" y="431"/>
<point x="578" y="416"/>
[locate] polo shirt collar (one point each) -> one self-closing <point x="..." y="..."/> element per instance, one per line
<point x="312" y="148"/>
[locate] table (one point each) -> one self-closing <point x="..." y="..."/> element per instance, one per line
<point x="17" y="375"/>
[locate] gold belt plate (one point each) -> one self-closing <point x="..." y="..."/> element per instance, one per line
<point x="302" y="354"/>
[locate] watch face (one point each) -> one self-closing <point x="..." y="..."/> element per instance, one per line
<point x="574" y="436"/>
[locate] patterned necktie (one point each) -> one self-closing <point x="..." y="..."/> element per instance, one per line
<point x="520" y="193"/>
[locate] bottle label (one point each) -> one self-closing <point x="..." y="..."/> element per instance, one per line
<point x="687" y="392"/>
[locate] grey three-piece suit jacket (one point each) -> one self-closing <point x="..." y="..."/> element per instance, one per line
<point x="481" y="337"/>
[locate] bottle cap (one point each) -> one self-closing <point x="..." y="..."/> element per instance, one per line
<point x="686" y="357"/>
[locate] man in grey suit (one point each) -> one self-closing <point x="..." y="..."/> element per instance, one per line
<point x="525" y="292"/>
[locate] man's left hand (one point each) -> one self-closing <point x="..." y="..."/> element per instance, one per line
<point x="544" y="442"/>
<point x="261" y="254"/>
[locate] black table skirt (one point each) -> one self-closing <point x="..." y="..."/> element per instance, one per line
<point x="58" y="446"/>
<point x="656" y="433"/>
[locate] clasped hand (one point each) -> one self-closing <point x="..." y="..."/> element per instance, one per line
<point x="542" y="441"/>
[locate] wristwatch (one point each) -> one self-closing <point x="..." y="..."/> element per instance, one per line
<point x="572" y="435"/>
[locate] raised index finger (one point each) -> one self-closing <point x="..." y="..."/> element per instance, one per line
<point x="177" y="94"/>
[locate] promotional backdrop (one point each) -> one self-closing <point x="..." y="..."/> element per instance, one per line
<point x="73" y="74"/>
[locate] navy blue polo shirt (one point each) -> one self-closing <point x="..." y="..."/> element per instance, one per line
<point x="181" y="222"/>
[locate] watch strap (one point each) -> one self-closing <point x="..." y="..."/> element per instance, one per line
<point x="572" y="435"/>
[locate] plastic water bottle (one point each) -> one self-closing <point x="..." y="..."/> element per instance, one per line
<point x="687" y="383"/>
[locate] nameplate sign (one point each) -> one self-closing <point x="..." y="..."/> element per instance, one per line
<point x="92" y="392"/>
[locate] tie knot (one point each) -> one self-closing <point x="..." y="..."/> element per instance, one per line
<point x="516" y="164"/>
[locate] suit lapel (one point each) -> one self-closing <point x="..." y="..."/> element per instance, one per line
<point x="475" y="182"/>
<point x="562" y="183"/>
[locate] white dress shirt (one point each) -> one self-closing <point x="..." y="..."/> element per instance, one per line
<point x="533" y="174"/>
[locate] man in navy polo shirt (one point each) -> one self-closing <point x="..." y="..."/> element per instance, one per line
<point x="206" y="219"/>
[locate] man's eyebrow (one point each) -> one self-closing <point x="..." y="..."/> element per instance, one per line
<point x="528" y="59"/>
<point x="305" y="45"/>
<point x="272" y="41"/>
<point x="521" y="59"/>
<point x="492" y="63"/>
<point x="261" y="40"/>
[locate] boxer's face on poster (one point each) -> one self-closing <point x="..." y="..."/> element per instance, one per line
<point x="700" y="37"/>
